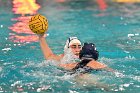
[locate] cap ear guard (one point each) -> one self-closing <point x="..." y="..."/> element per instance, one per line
<point x="96" y="55"/>
<point x="93" y="55"/>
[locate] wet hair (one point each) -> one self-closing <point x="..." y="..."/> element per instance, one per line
<point x="89" y="52"/>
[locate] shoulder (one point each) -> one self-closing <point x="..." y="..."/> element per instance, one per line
<point x="68" y="66"/>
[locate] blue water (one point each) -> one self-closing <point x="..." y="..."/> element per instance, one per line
<point x="115" y="32"/>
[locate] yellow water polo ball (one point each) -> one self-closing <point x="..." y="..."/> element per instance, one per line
<point x="38" y="24"/>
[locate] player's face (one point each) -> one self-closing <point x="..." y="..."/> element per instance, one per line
<point x="76" y="47"/>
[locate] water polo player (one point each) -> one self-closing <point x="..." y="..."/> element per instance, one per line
<point x="89" y="56"/>
<point x="73" y="44"/>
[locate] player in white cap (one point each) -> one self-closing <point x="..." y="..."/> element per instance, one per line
<point x="73" y="44"/>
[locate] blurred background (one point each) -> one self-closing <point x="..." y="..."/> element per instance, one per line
<point x="113" y="25"/>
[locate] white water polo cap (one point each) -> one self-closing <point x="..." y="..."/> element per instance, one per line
<point x="68" y="54"/>
<point x="71" y="41"/>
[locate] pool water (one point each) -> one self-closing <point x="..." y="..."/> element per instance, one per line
<point x="114" y="29"/>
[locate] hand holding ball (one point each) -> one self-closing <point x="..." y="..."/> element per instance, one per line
<point x="38" y="24"/>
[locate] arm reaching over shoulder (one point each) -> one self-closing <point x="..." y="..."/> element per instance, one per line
<point x="48" y="54"/>
<point x="90" y="53"/>
<point x="97" y="65"/>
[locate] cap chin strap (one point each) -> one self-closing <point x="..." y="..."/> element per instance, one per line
<point x="86" y="58"/>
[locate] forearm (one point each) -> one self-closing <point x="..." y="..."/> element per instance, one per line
<point x="48" y="54"/>
<point x="45" y="48"/>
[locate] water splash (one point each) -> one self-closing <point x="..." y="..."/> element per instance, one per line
<point x="69" y="57"/>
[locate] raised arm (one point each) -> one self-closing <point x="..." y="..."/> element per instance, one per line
<point x="48" y="54"/>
